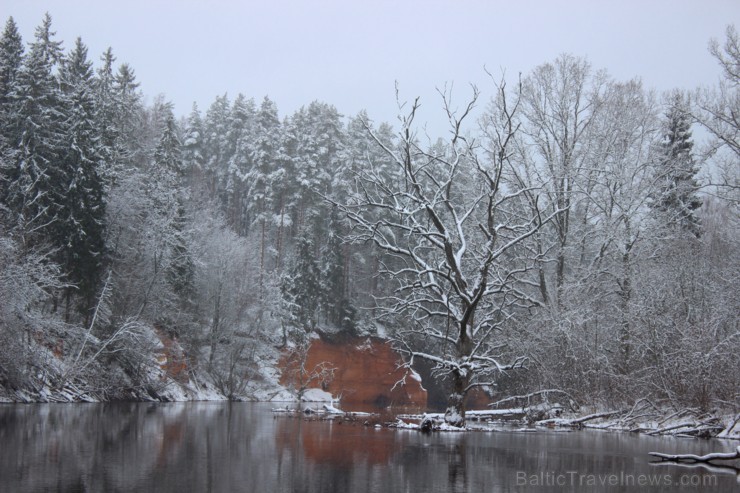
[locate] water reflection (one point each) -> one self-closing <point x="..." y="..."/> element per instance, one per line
<point x="214" y="447"/>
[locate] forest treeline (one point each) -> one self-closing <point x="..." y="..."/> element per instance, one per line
<point x="602" y="240"/>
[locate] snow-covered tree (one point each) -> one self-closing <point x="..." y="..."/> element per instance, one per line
<point x="128" y="117"/>
<point x="166" y="191"/>
<point x="106" y="116"/>
<point x="717" y="110"/>
<point x="215" y="147"/>
<point x="11" y="59"/>
<point x="335" y="299"/>
<point x="318" y="158"/>
<point x="239" y="152"/>
<point x="561" y="101"/>
<point x="192" y="149"/>
<point x="82" y="222"/>
<point x="676" y="198"/>
<point x="620" y="204"/>
<point x="453" y="239"/>
<point x="301" y="285"/>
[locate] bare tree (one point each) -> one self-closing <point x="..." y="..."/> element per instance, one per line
<point x="561" y="103"/>
<point x="454" y="243"/>
<point x="718" y="111"/>
<point x="301" y="375"/>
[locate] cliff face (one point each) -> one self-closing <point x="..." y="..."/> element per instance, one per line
<point x="364" y="373"/>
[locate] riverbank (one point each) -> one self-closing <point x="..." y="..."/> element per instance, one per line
<point x="686" y="423"/>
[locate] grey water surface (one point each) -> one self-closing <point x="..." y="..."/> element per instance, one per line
<point x="225" y="447"/>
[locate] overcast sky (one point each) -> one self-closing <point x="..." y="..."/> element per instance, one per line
<point x="350" y="53"/>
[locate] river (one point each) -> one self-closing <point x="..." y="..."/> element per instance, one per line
<point x="225" y="447"/>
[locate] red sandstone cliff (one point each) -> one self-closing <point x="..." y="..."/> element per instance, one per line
<point x="365" y="373"/>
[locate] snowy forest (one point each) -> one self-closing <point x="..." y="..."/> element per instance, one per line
<point x="569" y="231"/>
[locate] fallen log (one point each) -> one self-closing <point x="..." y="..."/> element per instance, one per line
<point x="689" y="428"/>
<point x="690" y="458"/>
<point x="575" y="422"/>
<point x="596" y="416"/>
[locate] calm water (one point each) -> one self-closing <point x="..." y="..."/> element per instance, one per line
<point x="222" y="447"/>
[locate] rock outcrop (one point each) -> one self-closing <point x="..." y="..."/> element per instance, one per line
<point x="365" y="372"/>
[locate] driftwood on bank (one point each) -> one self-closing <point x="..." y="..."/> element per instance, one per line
<point x="691" y="458"/>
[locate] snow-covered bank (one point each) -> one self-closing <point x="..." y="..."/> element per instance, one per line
<point x="685" y="423"/>
<point x="663" y="422"/>
<point x="160" y="373"/>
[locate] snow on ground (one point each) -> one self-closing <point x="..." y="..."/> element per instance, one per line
<point x="332" y="410"/>
<point x="317" y="395"/>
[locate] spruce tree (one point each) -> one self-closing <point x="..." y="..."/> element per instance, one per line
<point x="676" y="198"/>
<point x="106" y="116"/>
<point x="11" y="58"/>
<point x="128" y="113"/>
<point x="82" y="219"/>
<point x="192" y="149"/>
<point x="36" y="183"/>
<point x="167" y="197"/>
<point x="181" y="270"/>
<point x="301" y="286"/>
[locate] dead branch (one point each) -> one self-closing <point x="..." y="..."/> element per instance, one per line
<point x="691" y="458"/>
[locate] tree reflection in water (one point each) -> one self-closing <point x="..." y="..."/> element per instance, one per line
<point x="242" y="447"/>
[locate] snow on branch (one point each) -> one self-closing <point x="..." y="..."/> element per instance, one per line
<point x="691" y="458"/>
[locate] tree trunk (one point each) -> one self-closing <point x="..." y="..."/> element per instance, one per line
<point x="279" y="260"/>
<point x="625" y="334"/>
<point x="455" y="412"/>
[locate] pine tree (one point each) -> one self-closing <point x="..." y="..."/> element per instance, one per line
<point x="284" y="188"/>
<point x="239" y="140"/>
<point x="318" y="159"/>
<point x="676" y="199"/>
<point x="264" y="150"/>
<point x="265" y="147"/>
<point x="215" y="147"/>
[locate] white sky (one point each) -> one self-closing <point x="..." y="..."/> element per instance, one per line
<point x="350" y="53"/>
